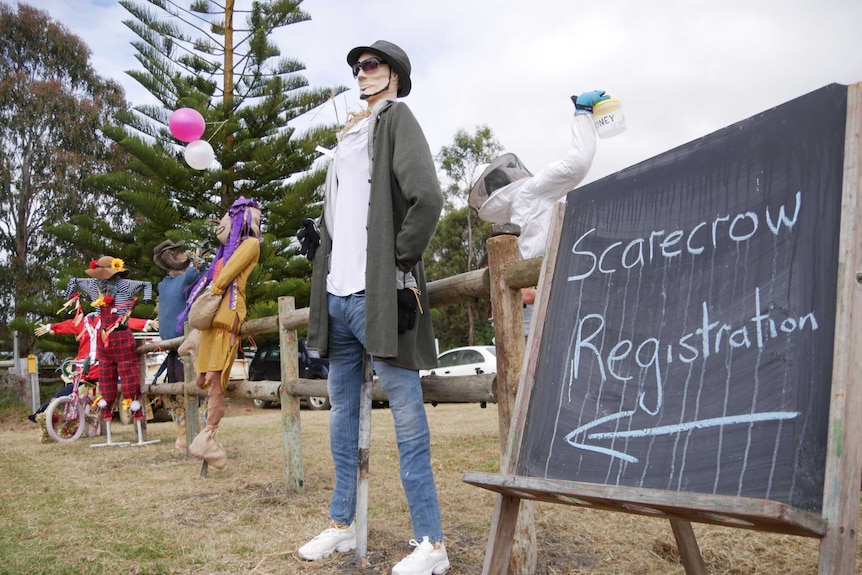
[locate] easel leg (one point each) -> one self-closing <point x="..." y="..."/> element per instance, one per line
<point x="689" y="551"/>
<point x="502" y="535"/>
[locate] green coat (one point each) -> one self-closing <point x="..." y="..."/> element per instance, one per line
<point x="401" y="164"/>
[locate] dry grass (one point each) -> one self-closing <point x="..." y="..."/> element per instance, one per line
<point x="144" y="510"/>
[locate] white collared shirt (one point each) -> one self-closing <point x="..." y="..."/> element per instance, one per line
<point x="349" y="213"/>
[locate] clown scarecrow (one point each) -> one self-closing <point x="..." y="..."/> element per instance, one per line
<point x="113" y="294"/>
<point x="84" y="327"/>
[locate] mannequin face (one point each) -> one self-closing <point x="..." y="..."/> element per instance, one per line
<point x="373" y="83"/>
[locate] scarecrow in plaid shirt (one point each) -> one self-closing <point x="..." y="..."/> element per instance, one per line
<point x="112" y="294"/>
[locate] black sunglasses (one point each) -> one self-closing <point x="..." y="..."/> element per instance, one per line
<point x="366" y="66"/>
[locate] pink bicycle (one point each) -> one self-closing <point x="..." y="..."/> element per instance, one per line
<point x="69" y="416"/>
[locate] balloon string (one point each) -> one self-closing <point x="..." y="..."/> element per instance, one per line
<point x="220" y="126"/>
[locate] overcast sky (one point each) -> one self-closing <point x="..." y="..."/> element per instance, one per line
<point x="682" y="68"/>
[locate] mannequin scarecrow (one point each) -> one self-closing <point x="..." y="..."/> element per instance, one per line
<point x="84" y="328"/>
<point x="112" y="294"/>
<point x="173" y="259"/>
<point x="238" y="233"/>
<point x="507" y="192"/>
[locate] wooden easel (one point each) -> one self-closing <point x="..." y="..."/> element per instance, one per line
<point x="834" y="526"/>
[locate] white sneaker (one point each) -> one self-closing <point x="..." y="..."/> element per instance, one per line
<point x="329" y="541"/>
<point x="425" y="560"/>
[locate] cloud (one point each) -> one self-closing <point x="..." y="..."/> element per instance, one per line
<point x="682" y="68"/>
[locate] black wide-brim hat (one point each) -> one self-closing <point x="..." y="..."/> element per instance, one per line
<point x="392" y="55"/>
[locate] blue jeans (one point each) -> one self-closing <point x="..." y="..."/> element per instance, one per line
<point x="346" y="349"/>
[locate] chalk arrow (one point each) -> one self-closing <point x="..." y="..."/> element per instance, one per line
<point x="664" y="429"/>
<point x="582" y="429"/>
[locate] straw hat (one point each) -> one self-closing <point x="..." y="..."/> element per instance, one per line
<point x="106" y="267"/>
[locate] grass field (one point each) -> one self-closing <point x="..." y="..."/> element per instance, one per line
<point x="70" y="509"/>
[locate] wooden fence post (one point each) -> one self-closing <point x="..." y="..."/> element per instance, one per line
<point x="291" y="430"/>
<point x="508" y="312"/>
<point x="190" y="400"/>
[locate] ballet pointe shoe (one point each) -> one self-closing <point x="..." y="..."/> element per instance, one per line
<point x="204" y="446"/>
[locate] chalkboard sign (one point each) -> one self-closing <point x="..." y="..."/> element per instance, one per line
<point x="689" y="342"/>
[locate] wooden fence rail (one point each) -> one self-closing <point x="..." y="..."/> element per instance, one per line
<point x="461" y="288"/>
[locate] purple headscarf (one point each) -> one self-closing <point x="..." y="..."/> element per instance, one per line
<point x="242" y="226"/>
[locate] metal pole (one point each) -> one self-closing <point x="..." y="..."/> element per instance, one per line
<point x="364" y="448"/>
<point x="33" y="368"/>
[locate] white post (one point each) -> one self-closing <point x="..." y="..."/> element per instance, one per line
<point x="364" y="448"/>
<point x="33" y="369"/>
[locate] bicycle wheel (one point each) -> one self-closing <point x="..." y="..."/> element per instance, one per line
<point x="64" y="419"/>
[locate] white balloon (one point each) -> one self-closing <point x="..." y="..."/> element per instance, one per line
<point x="199" y="154"/>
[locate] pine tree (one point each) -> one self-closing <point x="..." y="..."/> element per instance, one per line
<point x="202" y="57"/>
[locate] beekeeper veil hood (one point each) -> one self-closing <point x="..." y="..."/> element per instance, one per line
<point x="495" y="176"/>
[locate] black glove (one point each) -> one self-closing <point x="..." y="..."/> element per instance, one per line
<point x="408" y="304"/>
<point x="309" y="239"/>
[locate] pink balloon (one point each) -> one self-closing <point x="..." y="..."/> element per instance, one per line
<point x="187" y="124"/>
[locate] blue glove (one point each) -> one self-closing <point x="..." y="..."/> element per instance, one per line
<point x="586" y="101"/>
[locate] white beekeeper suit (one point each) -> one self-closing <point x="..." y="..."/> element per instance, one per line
<point x="506" y="192"/>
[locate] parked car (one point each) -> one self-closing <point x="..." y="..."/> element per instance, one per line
<point x="266" y="365"/>
<point x="465" y="361"/>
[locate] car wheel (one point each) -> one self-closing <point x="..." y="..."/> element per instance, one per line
<point x="262" y="403"/>
<point x="318" y="403"/>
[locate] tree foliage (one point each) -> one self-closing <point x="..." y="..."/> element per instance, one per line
<point x="458" y="245"/>
<point x="219" y="60"/>
<point x="447" y="256"/>
<point x="52" y="104"/>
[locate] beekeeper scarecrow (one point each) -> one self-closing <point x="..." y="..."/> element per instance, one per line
<point x="505" y="191"/>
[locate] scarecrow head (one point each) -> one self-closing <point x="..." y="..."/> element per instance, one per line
<point x="170" y="256"/>
<point x="106" y="267"/>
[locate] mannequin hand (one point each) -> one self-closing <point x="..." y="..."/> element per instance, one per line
<point x="408" y="306"/>
<point x="586" y="101"/>
<point x="309" y="238"/>
<point x="43" y="329"/>
<point x="152" y="325"/>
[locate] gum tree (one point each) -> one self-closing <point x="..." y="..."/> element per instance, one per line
<point x="52" y="104"/>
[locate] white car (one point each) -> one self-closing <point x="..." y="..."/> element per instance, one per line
<point x="465" y="361"/>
